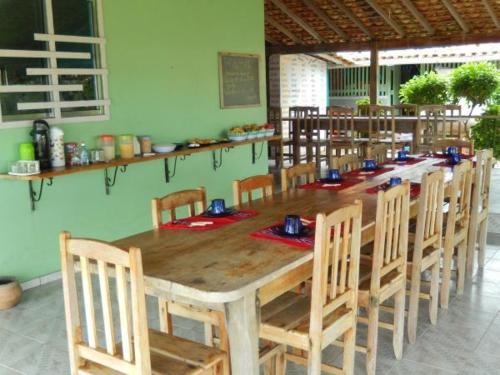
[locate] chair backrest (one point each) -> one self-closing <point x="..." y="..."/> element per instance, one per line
<point x="459" y="199"/>
<point x="465" y="147"/>
<point x="429" y="231"/>
<point x="341" y="122"/>
<point x="308" y="118"/>
<point x="378" y="152"/>
<point x="432" y="120"/>
<point x="299" y="173"/>
<point x="262" y="183"/>
<point x="482" y="181"/>
<point x="391" y="234"/>
<point x="132" y="355"/>
<point x="454" y="127"/>
<point x="195" y="200"/>
<point x="381" y="122"/>
<point x="335" y="266"/>
<point x="406" y="109"/>
<point x="275" y="116"/>
<point x="346" y="163"/>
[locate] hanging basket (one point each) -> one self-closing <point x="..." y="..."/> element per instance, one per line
<point x="10" y="292"/>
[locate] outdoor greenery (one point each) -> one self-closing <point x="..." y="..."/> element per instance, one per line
<point x="486" y="133"/>
<point x="428" y="88"/>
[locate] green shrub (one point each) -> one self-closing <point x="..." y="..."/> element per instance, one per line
<point x="428" y="88"/>
<point x="363" y="101"/>
<point x="486" y="133"/>
<point x="475" y="82"/>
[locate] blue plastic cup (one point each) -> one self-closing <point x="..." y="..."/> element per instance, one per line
<point x="218" y="206"/>
<point x="402" y="155"/>
<point x="454" y="159"/>
<point x="334" y="174"/>
<point x="369" y="165"/>
<point x="395" y="181"/>
<point x="452" y="150"/>
<point x="293" y="224"/>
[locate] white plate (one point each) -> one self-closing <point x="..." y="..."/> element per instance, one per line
<point x="163" y="149"/>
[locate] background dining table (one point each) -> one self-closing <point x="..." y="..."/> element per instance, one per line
<point x="228" y="270"/>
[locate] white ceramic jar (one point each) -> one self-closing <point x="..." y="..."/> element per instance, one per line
<point x="57" y="159"/>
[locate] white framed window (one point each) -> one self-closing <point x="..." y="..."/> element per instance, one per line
<point x="52" y="62"/>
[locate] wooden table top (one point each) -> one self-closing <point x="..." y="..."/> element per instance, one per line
<point x="224" y="264"/>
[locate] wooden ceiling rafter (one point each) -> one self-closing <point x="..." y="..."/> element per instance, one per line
<point x="310" y="30"/>
<point x="335" y="59"/>
<point x="458" y="18"/>
<point x="387" y="18"/>
<point x="282" y="29"/>
<point x="340" y="5"/>
<point x="326" y="19"/>
<point x="419" y="16"/>
<point x="491" y="12"/>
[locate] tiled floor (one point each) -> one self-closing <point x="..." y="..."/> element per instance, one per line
<point x="466" y="339"/>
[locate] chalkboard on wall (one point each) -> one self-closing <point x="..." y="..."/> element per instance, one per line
<point x="239" y="80"/>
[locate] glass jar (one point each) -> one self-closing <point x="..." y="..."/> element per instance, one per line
<point x="107" y="144"/>
<point x="126" y="146"/>
<point x="145" y="144"/>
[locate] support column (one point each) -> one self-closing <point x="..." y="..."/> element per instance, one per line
<point x="374" y="74"/>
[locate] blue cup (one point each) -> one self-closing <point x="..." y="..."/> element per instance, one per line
<point x="293" y="224"/>
<point x="454" y="159"/>
<point x="407" y="148"/>
<point x="395" y="181"/>
<point x="402" y="155"/>
<point x="217" y="207"/>
<point x="452" y="150"/>
<point x="369" y="165"/>
<point x="334" y="174"/>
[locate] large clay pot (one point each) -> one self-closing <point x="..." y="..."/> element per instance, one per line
<point x="10" y="292"/>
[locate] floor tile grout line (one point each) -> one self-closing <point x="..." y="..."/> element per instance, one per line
<point x="12" y="369"/>
<point x="428" y="365"/>
<point x="486" y="332"/>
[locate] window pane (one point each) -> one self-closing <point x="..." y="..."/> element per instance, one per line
<point x="73" y="17"/>
<point x="21" y="19"/>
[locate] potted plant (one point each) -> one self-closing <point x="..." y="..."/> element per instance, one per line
<point x="10" y="292"/>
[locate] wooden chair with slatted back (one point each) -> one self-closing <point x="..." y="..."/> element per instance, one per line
<point x="377" y="152"/>
<point x="425" y="249"/>
<point x="311" y="323"/>
<point x="346" y="163"/>
<point x="300" y="173"/>
<point x="456" y="228"/>
<point x="262" y="183"/>
<point x="454" y="127"/>
<point x="141" y="351"/>
<point x="479" y="209"/>
<point x="431" y="118"/>
<point x="381" y="125"/>
<point x="277" y="148"/>
<point x="309" y="132"/>
<point x="384" y="276"/>
<point x="341" y="139"/>
<point x="196" y="202"/>
<point x="465" y="147"/>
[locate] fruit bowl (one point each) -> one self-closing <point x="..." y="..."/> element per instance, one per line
<point x="165" y="148"/>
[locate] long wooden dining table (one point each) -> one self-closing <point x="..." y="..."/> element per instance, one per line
<point x="227" y="270"/>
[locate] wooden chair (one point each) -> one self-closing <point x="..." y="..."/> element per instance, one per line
<point x="425" y="250"/>
<point x="309" y="132"/>
<point x="311" y="323"/>
<point x="383" y="272"/>
<point x="381" y="125"/>
<point x="346" y="163"/>
<point x="196" y="202"/>
<point x="141" y="351"/>
<point x="377" y="152"/>
<point x="431" y="118"/>
<point x="465" y="147"/>
<point x="456" y="228"/>
<point x="341" y="138"/>
<point x="479" y="209"/>
<point x="293" y="175"/>
<point x="264" y="183"/>
<point x="277" y="148"/>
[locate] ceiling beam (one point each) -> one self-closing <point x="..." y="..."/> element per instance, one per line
<point x="386" y="17"/>
<point x="491" y="12"/>
<point x="334" y="58"/>
<point x="389" y="44"/>
<point x="339" y="4"/>
<point x="456" y="15"/>
<point x="326" y="19"/>
<point x="419" y="16"/>
<point x="271" y="40"/>
<point x="282" y="29"/>
<point x="297" y="19"/>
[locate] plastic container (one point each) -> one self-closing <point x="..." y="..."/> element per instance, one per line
<point x="107" y="144"/>
<point x="146" y="144"/>
<point x="126" y="142"/>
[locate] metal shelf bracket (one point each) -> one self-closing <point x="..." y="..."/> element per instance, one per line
<point x="217" y="161"/>
<point x="169" y="175"/>
<point x="110" y="182"/>
<point x="34" y="195"/>
<point x="256" y="157"/>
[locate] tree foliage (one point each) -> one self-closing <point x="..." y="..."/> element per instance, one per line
<point x="427" y="88"/>
<point x="486" y="133"/>
<point x="475" y="82"/>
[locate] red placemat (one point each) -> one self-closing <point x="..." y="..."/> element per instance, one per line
<point x="190" y="223"/>
<point x="409" y="161"/>
<point x="414" y="189"/>
<point x="445" y="156"/>
<point x="343" y="184"/>
<point x="362" y="173"/>
<point x="302" y="242"/>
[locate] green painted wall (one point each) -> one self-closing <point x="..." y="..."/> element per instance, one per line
<point x="162" y="57"/>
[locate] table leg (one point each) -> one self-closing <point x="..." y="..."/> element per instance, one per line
<point x="242" y="323"/>
<point x="296" y="141"/>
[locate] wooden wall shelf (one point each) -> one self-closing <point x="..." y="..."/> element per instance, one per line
<point x="122" y="164"/>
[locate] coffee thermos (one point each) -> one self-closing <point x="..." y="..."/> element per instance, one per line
<point x="41" y="141"/>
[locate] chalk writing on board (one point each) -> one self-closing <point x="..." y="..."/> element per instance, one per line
<point x="239" y="80"/>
